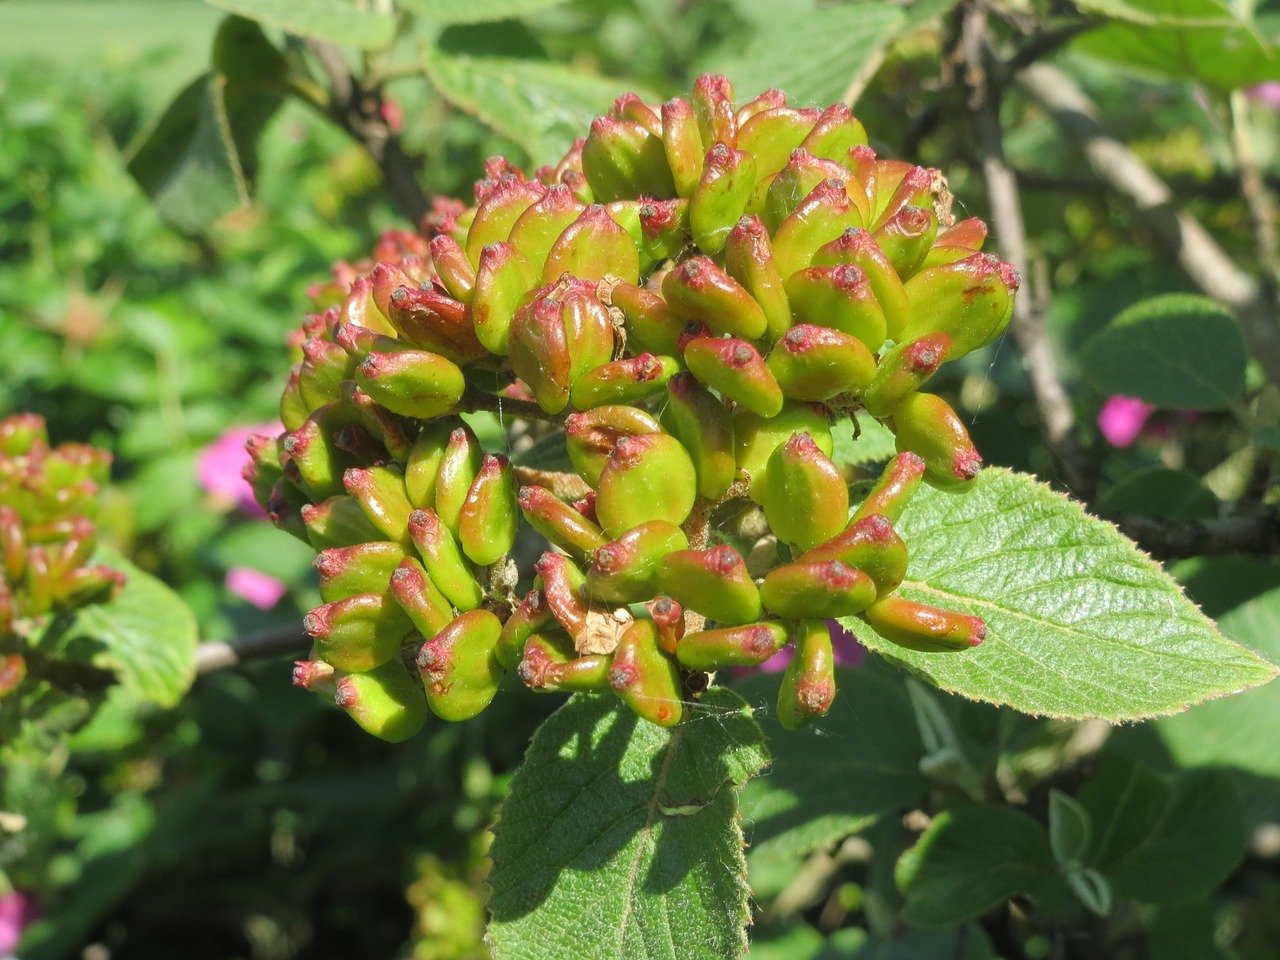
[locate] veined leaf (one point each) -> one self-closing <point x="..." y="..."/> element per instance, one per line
<point x="340" y="21"/>
<point x="474" y="11"/>
<point x="1080" y="623"/>
<point x="620" y="839"/>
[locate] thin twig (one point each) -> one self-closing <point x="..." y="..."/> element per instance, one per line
<point x="1181" y="234"/>
<point x="1221" y="186"/>
<point x="1028" y="324"/>
<point x="1165" y="539"/>
<point x="359" y="111"/>
<point x="1262" y="207"/>
<point x="219" y="654"/>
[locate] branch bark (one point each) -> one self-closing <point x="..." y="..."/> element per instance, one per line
<point x="1165" y="539"/>
<point x="1255" y="308"/>
<point x="219" y="654"/>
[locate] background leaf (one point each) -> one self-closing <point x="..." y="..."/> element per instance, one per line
<point x="813" y="58"/>
<point x="474" y="11"/>
<point x="1160" y="492"/>
<point x="146" y="635"/>
<point x="1080" y="623"/>
<point x="339" y="21"/>
<point x="620" y="839"/>
<point x="541" y="106"/>
<point x="1177" y="351"/>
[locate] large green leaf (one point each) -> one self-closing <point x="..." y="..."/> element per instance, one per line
<point x="971" y="859"/>
<point x="620" y="839"/>
<point x="813" y="58"/>
<point x="860" y="760"/>
<point x="474" y="11"/>
<point x="146" y="635"/>
<point x="541" y="106"/>
<point x="341" y="21"/>
<point x="1080" y="623"/>
<point x="1204" y="40"/>
<point x="1179" y="351"/>
<point x="197" y="160"/>
<point x="1160" y="492"/>
<point x="1162" y="839"/>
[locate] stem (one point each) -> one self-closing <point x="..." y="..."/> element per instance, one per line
<point x="218" y="654"/>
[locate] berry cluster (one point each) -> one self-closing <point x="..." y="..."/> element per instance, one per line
<point x="688" y="301"/>
<point x="48" y="499"/>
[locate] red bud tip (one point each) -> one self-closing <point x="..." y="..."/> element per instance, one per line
<point x="348" y="694"/>
<point x="967" y="464"/>
<point x="1010" y="276"/>
<point x="620" y="678"/>
<point x="307" y="673"/>
<point x="850" y="278"/>
<point x="979" y="632"/>
<point x="926" y="354"/>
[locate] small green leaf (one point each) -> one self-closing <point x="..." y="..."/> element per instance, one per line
<point x="1160" y="839"/>
<point x="1205" y="40"/>
<point x="814" y="794"/>
<point x="474" y="11"/>
<point x="341" y="21"/>
<point x="968" y="861"/>
<point x="1069" y="828"/>
<point x="873" y="442"/>
<point x="1080" y="623"/>
<point x="813" y="58"/>
<point x="1160" y="492"/>
<point x="585" y="862"/>
<point x="1178" y="351"/>
<point x="541" y="106"/>
<point x="146" y="635"/>
<point x="196" y="162"/>
<point x="1091" y="889"/>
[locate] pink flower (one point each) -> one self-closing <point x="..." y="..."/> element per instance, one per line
<point x="254" y="586"/>
<point x="1267" y="94"/>
<point x="222" y="463"/>
<point x="17" y="911"/>
<point x="849" y="652"/>
<point x="1121" y="419"/>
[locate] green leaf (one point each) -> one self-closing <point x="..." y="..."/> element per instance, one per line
<point x="970" y="860"/>
<point x="1160" y="492"/>
<point x="1160" y="839"/>
<point x="1069" y="828"/>
<point x="1091" y="889"/>
<point x="815" y="794"/>
<point x="541" y="106"/>
<point x="1205" y="40"/>
<point x="620" y="839"/>
<point x="1179" y="351"/>
<point x="474" y="11"/>
<point x="814" y="58"/>
<point x="1080" y="623"/>
<point x="196" y="162"/>
<point x="146" y="635"/>
<point x="341" y="21"/>
<point x="1244" y="595"/>
<point x="874" y="442"/>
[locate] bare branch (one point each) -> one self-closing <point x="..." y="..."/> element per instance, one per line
<point x="1182" y="235"/>
<point x="1164" y="539"/>
<point x="1028" y="324"/>
<point x="219" y="654"/>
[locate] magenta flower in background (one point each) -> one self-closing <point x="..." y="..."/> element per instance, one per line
<point x="17" y="911"/>
<point x="1267" y="94"/>
<point x="1121" y="419"/>
<point x="253" y="586"/>
<point x="221" y="466"/>
<point x="848" y="650"/>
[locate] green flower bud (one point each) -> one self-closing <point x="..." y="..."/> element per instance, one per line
<point x="970" y="299"/>
<point x="769" y="99"/>
<point x="748" y="259"/>
<point x="682" y="142"/>
<point x="644" y="677"/>
<point x="898" y="185"/>
<point x="625" y="570"/>
<point x="336" y="522"/>
<point x="756" y="437"/>
<point x="498" y="213"/>
<point x="435" y="323"/>
<point x="797" y="181"/>
<point x="622" y="159"/>
<point x="311" y="450"/>
<point x="457" y="275"/>
<point x="834" y="134"/>
<point x="459" y="467"/>
<point x="412" y="383"/>
<point x="736" y="369"/>
<point x="386" y="701"/>
<point x="825" y="589"/>
<point x="868" y="544"/>
<point x="719" y="200"/>
<point x="668" y="616"/>
<point x="533" y="615"/>
<point x="771" y="135"/>
<point x="381" y="495"/>
<point x="713" y="107"/>
<point x="381" y="423"/>
<point x="841" y="298"/>
<point x="591" y="247"/>
<point x="647" y="477"/>
<point x="817" y="363"/>
<point x="551" y="665"/>
<point x="926" y="425"/>
<point x="13" y="542"/>
<point x="649" y="321"/>
<point x="324" y="366"/>
<point x="359" y="632"/>
<point x="560" y="523"/>
<point x="804" y="496"/>
<point x="558" y="336"/>
<point x="458" y="666"/>
<point x="22" y="433"/>
<point x="857" y="247"/>
<point x="664" y="230"/>
<point x="487" y="524"/>
<point x="743" y="646"/>
<point x="540" y="226"/>
<point x="444" y="561"/>
<point x="420" y="598"/>
<point x="698" y="291"/>
<point x="903" y="370"/>
<point x="918" y="626"/>
<point x="694" y="416"/>
<point x="422" y="463"/>
<point x="503" y="280"/>
<point x="359" y="568"/>
<point x="714" y="582"/>
<point x="591" y="436"/>
<point x="623" y="381"/>
<point x="809" y="683"/>
<point x="893" y="491"/>
<point x="907" y="237"/>
<point x="294" y="410"/>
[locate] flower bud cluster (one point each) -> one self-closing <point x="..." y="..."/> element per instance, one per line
<point x="693" y="295"/>
<point x="48" y="499"/>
